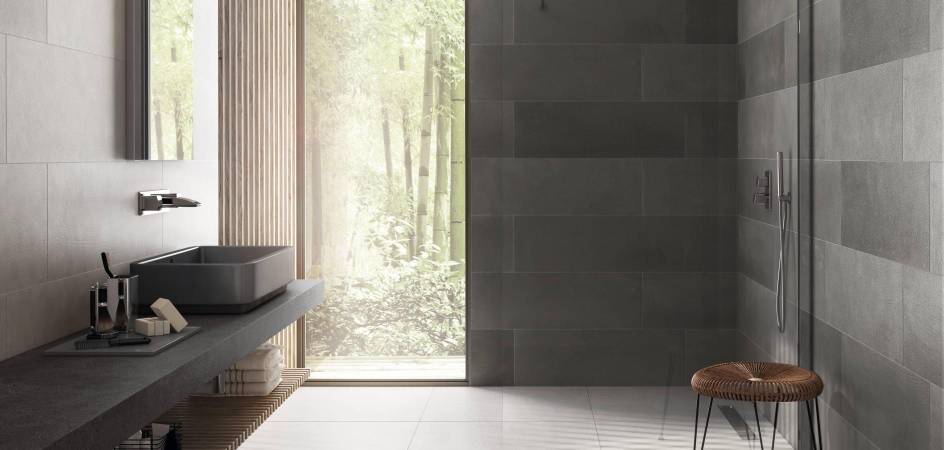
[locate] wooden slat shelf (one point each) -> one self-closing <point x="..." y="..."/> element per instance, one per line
<point x="214" y="422"/>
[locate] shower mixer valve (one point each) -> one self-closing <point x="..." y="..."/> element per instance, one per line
<point x="762" y="190"/>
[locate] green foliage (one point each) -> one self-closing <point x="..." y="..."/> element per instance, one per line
<point x="171" y="78"/>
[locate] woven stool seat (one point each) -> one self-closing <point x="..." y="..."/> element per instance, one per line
<point x="757" y="382"/>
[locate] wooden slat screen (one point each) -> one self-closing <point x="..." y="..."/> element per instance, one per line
<point x="258" y="129"/>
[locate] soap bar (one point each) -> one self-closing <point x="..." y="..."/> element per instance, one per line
<point x="166" y="310"/>
<point x="151" y="326"/>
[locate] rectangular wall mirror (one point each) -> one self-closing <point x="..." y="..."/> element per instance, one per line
<point x="172" y="79"/>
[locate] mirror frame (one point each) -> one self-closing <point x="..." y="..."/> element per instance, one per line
<point x="137" y="82"/>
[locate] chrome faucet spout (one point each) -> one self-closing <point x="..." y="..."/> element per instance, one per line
<point x="153" y="202"/>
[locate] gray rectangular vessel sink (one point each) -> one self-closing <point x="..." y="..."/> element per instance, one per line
<point x="214" y="279"/>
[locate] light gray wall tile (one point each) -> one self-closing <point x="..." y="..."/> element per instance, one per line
<point x="838" y="433"/>
<point x="688" y="72"/>
<point x="78" y="234"/>
<point x="876" y="31"/>
<point x="3" y="99"/>
<point x="767" y="124"/>
<point x="923" y="304"/>
<point x="92" y="26"/>
<point x="689" y="186"/>
<point x="62" y="105"/>
<point x="485" y="128"/>
<point x="885" y="210"/>
<point x="599" y="357"/>
<point x="608" y="21"/>
<point x="689" y="300"/>
<point x="923" y="121"/>
<point x="571" y="72"/>
<point x="937" y="217"/>
<point x="936" y="23"/>
<point x="571" y="301"/>
<point x="484" y="21"/>
<point x="827" y="361"/>
<point x="755" y="16"/>
<point x="485" y="72"/>
<point x="755" y="314"/>
<point x="761" y="62"/>
<point x="844" y="131"/>
<point x="826" y="33"/>
<point x="869" y="408"/>
<point x="535" y="186"/>
<point x="197" y="180"/>
<point x="937" y="417"/>
<point x="827" y="207"/>
<point x="25" y="18"/>
<point x="23" y="220"/>
<point x="863" y="295"/>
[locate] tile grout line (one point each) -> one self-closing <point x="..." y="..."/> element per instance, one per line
<point x="420" y="420"/>
<point x="593" y="415"/>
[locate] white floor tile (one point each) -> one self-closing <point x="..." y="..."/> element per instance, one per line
<point x="464" y="404"/>
<point x="331" y="436"/>
<point x="458" y="436"/>
<point x="549" y="436"/>
<point x="546" y="403"/>
<point x="354" y="404"/>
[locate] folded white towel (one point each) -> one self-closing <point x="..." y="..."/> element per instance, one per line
<point x="254" y="376"/>
<point x="261" y="358"/>
<point x="247" y="389"/>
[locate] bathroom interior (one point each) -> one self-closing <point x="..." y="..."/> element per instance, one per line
<point x="471" y="224"/>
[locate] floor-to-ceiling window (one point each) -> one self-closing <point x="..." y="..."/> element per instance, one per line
<point x="385" y="188"/>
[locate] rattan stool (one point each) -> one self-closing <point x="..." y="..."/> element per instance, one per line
<point x="758" y="382"/>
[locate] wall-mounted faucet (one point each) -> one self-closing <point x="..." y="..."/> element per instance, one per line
<point x="153" y="202"/>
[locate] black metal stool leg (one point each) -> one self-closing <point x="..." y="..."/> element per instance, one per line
<point x="697" y="409"/>
<point x="760" y="437"/>
<point x="818" y="430"/>
<point x="773" y="438"/>
<point x="704" y="435"/>
<point x="809" y="415"/>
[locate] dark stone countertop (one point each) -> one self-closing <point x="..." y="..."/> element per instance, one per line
<point x="95" y="402"/>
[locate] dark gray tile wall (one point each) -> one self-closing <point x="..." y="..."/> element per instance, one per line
<point x="602" y="141"/>
<point x="869" y="206"/>
<point x="61" y="145"/>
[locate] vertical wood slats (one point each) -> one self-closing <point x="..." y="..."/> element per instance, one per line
<point x="258" y="125"/>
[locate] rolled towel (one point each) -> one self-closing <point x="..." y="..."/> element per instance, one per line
<point x="254" y="376"/>
<point x="247" y="389"/>
<point x="260" y="358"/>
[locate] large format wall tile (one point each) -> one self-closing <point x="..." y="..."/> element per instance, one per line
<point x="3" y="99"/>
<point x="688" y="186"/>
<point x="878" y="31"/>
<point x="484" y="21"/>
<point x="485" y="186"/>
<point x="826" y="34"/>
<point x="62" y="105"/>
<point x="23" y="221"/>
<point x="755" y="314"/>
<point x="618" y="129"/>
<point x="758" y="247"/>
<point x="689" y="300"/>
<point x="26" y="18"/>
<point x="563" y="72"/>
<point x="894" y="413"/>
<point x="77" y="233"/>
<point x="535" y="186"/>
<point x="92" y="26"/>
<point x="485" y="312"/>
<point x="624" y="244"/>
<point x="491" y="243"/>
<point x="689" y="72"/>
<point x="863" y="298"/>
<point x="485" y="128"/>
<point x="761" y="62"/>
<point x="491" y="358"/>
<point x="607" y="21"/>
<point x="755" y="16"/>
<point x="599" y="357"/>
<point x="485" y="72"/>
<point x="571" y="301"/>
<point x="922" y="295"/>
<point x="706" y="347"/>
<point x="885" y="210"/>
<point x="844" y="131"/>
<point x="197" y="180"/>
<point x="767" y="124"/>
<point x="923" y="121"/>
